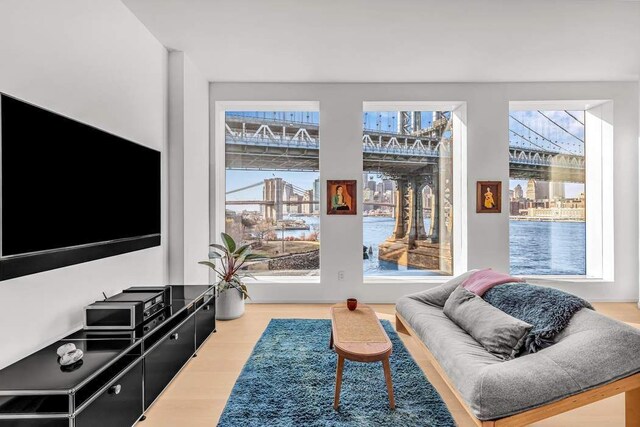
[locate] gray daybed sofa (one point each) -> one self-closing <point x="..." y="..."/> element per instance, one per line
<point x="595" y="357"/>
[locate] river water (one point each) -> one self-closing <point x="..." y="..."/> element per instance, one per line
<point x="536" y="248"/>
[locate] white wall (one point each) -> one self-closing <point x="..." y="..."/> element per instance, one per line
<point x="487" y="133"/>
<point x="188" y="171"/>
<point x="91" y="60"/>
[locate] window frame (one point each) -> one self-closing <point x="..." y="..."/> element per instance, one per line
<point x="458" y="111"/>
<point x="599" y="187"/>
<point x="219" y="174"/>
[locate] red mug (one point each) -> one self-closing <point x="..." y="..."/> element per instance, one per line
<point x="352" y="303"/>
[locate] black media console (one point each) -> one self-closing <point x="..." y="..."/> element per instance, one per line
<point x="122" y="372"/>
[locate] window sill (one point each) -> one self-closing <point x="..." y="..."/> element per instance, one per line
<point x="551" y="280"/>
<point x="283" y="280"/>
<point x="415" y="280"/>
<point x="383" y="280"/>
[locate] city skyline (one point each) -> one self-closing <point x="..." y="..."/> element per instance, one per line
<point x="571" y="189"/>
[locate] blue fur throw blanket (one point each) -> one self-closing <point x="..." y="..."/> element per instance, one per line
<point x="548" y="310"/>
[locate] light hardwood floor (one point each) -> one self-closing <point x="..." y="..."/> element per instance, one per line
<point x="198" y="394"/>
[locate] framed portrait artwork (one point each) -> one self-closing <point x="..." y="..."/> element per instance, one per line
<point x="341" y="197"/>
<point x="489" y="197"/>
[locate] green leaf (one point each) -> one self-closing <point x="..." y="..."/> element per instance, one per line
<point x="207" y="263"/>
<point x="240" y="260"/>
<point x="232" y="284"/>
<point x="245" y="291"/>
<point x="217" y="246"/>
<point x="255" y="257"/>
<point x="212" y="266"/>
<point x="214" y="255"/>
<point x="241" y="250"/>
<point x="228" y="242"/>
<point x="239" y="286"/>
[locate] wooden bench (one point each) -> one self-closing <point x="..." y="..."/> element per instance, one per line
<point x="358" y="335"/>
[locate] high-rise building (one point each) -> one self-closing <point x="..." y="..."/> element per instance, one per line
<point x="531" y="190"/>
<point x="389" y="185"/>
<point x="556" y="190"/>
<point x="542" y="190"/>
<point x="537" y="190"/>
<point x="518" y="193"/>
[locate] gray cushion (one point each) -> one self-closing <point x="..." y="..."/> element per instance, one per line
<point x="499" y="333"/>
<point x="592" y="351"/>
<point x="438" y="296"/>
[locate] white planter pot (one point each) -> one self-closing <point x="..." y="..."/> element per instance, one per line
<point x="229" y="305"/>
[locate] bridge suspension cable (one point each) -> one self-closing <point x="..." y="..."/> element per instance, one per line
<point x="245" y="188"/>
<point x="527" y="139"/>
<point x="541" y="136"/>
<point x="257" y="184"/>
<point x="574" y="117"/>
<point x="561" y="127"/>
<point x="298" y="189"/>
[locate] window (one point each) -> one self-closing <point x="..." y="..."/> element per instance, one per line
<point x="407" y="193"/>
<point x="272" y="188"/>
<point x="547" y="192"/>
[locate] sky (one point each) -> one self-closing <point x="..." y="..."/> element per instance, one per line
<point x="540" y="132"/>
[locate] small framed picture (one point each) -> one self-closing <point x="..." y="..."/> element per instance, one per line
<point x="489" y="197"/>
<point x="342" y="197"/>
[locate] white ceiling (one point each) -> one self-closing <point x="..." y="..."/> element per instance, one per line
<point x="400" y="40"/>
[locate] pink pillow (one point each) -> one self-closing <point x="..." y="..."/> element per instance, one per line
<point x="483" y="280"/>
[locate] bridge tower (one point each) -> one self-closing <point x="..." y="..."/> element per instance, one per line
<point x="410" y="243"/>
<point x="409" y="225"/>
<point x="409" y="122"/>
<point x="273" y="194"/>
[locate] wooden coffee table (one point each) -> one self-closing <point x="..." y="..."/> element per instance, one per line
<point x="358" y="335"/>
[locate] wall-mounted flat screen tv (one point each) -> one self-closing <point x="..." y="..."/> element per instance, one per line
<point x="70" y="192"/>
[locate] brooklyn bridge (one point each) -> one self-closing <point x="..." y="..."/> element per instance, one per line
<point x="413" y="156"/>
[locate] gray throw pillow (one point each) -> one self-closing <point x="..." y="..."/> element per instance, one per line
<point x="500" y="334"/>
<point x="438" y="296"/>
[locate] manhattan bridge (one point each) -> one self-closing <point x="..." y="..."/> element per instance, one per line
<point x="412" y="153"/>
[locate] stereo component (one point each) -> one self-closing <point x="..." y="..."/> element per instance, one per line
<point x="152" y="302"/>
<point x="165" y="291"/>
<point x="113" y="315"/>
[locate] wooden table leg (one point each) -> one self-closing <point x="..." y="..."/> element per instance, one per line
<point x="632" y="408"/>
<point x="387" y="377"/>
<point x="336" y="399"/>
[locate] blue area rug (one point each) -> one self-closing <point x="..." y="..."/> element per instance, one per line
<point x="290" y="377"/>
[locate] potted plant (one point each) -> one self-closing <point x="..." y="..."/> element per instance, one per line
<point x="231" y="292"/>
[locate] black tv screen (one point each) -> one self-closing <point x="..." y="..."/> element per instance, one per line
<point x="66" y="184"/>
